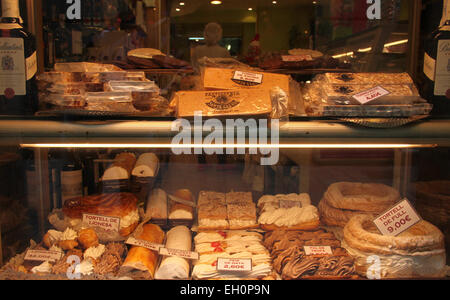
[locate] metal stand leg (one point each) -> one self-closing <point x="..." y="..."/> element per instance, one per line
<point x="43" y="193"/>
<point x="305" y="171"/>
<point x="402" y="170"/>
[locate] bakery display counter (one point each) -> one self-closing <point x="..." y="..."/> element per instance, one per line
<point x="110" y="200"/>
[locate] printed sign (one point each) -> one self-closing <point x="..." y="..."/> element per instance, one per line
<point x="370" y="95"/>
<point x="248" y="77"/>
<point x="318" y="250"/>
<point x="296" y="58"/>
<point x="397" y="219"/>
<point x="43" y="255"/>
<point x="144" y="244"/>
<point x="106" y="223"/>
<point x="234" y="264"/>
<point x="180" y="253"/>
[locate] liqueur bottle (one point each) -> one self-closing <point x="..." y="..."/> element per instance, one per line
<point x="437" y="65"/>
<point x="18" y="63"/>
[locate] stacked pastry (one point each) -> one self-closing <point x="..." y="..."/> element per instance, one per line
<point x="146" y="166"/>
<point x="179" y="238"/>
<point x="182" y="211"/>
<point x="219" y="211"/>
<point x="343" y="200"/>
<point x="94" y="259"/>
<point x="156" y="209"/>
<point x="230" y="244"/>
<point x="121" y="168"/>
<point x="141" y="262"/>
<point x="287" y="212"/>
<point x="120" y="205"/>
<point x="291" y="261"/>
<point x="416" y="253"/>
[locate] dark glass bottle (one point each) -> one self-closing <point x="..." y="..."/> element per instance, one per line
<point x="437" y="66"/>
<point x="71" y="176"/>
<point x="18" y="63"/>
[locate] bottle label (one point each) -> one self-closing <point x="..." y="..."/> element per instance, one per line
<point x="12" y="67"/>
<point x="71" y="184"/>
<point x="10" y="9"/>
<point x="442" y="79"/>
<point x="31" y="65"/>
<point x="429" y="67"/>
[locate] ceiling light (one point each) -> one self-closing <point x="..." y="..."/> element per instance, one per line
<point x="216" y="2"/>
<point x="250" y="8"/>
<point x="181" y="3"/>
<point x="274" y="2"/>
<point x="177" y="9"/>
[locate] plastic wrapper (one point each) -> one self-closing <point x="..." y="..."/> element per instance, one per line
<point x="134" y="86"/>
<point x="280" y="102"/>
<point x="368" y="78"/>
<point x="110" y="102"/>
<point x="85" y="67"/>
<point x="74" y="88"/>
<point x="63" y="101"/>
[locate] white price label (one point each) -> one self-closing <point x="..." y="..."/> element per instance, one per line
<point x="370" y="95"/>
<point x="397" y="219"/>
<point x="296" y="58"/>
<point x="144" y="244"/>
<point x="179" y="253"/>
<point x="290" y="204"/>
<point x="43" y="255"/>
<point x="248" y="77"/>
<point x="318" y="250"/>
<point x="106" y="223"/>
<point x="234" y="264"/>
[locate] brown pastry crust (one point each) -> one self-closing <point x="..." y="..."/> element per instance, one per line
<point x="126" y="231"/>
<point x="305" y="226"/>
<point x="111" y="205"/>
<point x="422" y="237"/>
<point x="368" y="197"/>
<point x="209" y="228"/>
<point x="331" y="216"/>
<point x="244" y="227"/>
<point x="68" y="245"/>
<point x="88" y="238"/>
<point x="143" y="259"/>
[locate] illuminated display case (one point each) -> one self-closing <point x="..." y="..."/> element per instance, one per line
<point x="295" y="140"/>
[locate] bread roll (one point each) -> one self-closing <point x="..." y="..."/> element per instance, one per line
<point x="176" y="267"/>
<point x="141" y="262"/>
<point x="121" y="168"/>
<point x="157" y="205"/>
<point x="146" y="166"/>
<point x="179" y="211"/>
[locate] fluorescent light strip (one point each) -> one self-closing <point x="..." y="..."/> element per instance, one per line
<point x="370" y="48"/>
<point x="226" y="146"/>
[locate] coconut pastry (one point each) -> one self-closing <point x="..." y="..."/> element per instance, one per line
<point x="176" y="267"/>
<point x="287" y="212"/>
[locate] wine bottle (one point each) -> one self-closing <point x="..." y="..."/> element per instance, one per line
<point x="437" y="65"/>
<point x="18" y="63"/>
<point x="71" y="177"/>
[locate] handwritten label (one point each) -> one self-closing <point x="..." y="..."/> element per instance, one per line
<point x="318" y="250"/>
<point x="234" y="264"/>
<point x="370" y="95"/>
<point x="249" y="77"/>
<point x="397" y="219"/>
<point x="290" y="204"/>
<point x="43" y="255"/>
<point x="179" y="253"/>
<point x="144" y="244"/>
<point x="106" y="223"/>
<point x="296" y="58"/>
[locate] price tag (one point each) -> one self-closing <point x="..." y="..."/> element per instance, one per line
<point x="106" y="223"/>
<point x="318" y="250"/>
<point x="144" y="244"/>
<point x="180" y="253"/>
<point x="296" y="58"/>
<point x="248" y="77"/>
<point x="397" y="219"/>
<point x="43" y="255"/>
<point x="370" y="95"/>
<point x="290" y="204"/>
<point x="234" y="264"/>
